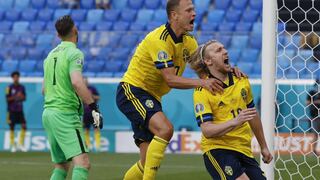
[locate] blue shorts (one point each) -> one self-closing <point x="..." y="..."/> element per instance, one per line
<point x="228" y="164"/>
<point x="138" y="106"/>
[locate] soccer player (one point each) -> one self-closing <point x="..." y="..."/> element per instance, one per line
<point x="155" y="68"/>
<point x="63" y="88"/>
<point x="15" y="95"/>
<point x="88" y="119"/>
<point x="226" y="120"/>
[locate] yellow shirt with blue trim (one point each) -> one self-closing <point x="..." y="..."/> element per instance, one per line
<point x="220" y="108"/>
<point x="159" y="49"/>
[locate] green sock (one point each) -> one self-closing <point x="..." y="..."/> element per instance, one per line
<point x="79" y="173"/>
<point x="58" y="174"/>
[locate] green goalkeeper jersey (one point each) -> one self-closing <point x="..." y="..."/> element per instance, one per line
<point x="59" y="93"/>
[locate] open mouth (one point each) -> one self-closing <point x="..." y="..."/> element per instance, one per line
<point x="192" y="22"/>
<point x="226" y="61"/>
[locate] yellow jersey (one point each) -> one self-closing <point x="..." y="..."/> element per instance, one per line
<point x="159" y="49"/>
<point x="223" y="107"/>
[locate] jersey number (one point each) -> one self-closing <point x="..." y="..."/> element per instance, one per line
<point x="54" y="70"/>
<point x="235" y="113"/>
<point x="177" y="69"/>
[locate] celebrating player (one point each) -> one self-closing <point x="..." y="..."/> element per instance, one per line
<point x="16" y="94"/>
<point x="63" y="84"/>
<point x="155" y="68"/>
<point x="226" y="119"/>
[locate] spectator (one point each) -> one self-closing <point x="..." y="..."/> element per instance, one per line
<point x="102" y="4"/>
<point x="71" y="4"/>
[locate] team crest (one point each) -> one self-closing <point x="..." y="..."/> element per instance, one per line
<point x="244" y="94"/>
<point x="199" y="108"/>
<point x="185" y="55"/>
<point x="228" y="170"/>
<point x="79" y="62"/>
<point x="149" y="103"/>
<point x="162" y="55"/>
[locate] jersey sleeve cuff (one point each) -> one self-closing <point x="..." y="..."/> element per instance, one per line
<point x="164" y="64"/>
<point x="251" y="104"/>
<point x="204" y="118"/>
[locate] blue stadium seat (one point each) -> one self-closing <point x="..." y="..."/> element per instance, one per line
<point x="152" y="4"/>
<point x="38" y="4"/>
<point x="208" y="26"/>
<point x="256" y="4"/>
<point x="39" y="67"/>
<point x="312" y="66"/>
<point x="223" y="5"/>
<point x="160" y="15"/>
<point x="1" y="38"/>
<point x="1" y="14"/>
<point x="6" y="4"/>
<point x="87" y="26"/>
<point x="137" y="26"/>
<point x="298" y="65"/>
<point x="249" y="55"/>
<point x="113" y="40"/>
<point x="19" y="53"/>
<point x="234" y="55"/>
<point x="27" y="66"/>
<point x="216" y="16"/>
<point x="203" y="38"/>
<point x="257" y="28"/>
<point x="233" y="16"/>
<point x="12" y="15"/>
<point x="128" y="15"/>
<point x="4" y="53"/>
<point x="45" y="40"/>
<point x="121" y="26"/>
<point x="200" y="14"/>
<point x="244" y="27"/>
<point x="226" y="27"/>
<point x="104" y="74"/>
<point x="60" y="12"/>
<point x="21" y="4"/>
<point x="28" y="14"/>
<point x="104" y="26"/>
<point x="94" y="15"/>
<point x="256" y="41"/>
<point x="111" y="15"/>
<point x="5" y="26"/>
<point x="118" y="74"/>
<point x="306" y="54"/>
<point x="103" y="54"/>
<point x="119" y="53"/>
<point x="89" y="74"/>
<point x="119" y="4"/>
<point x="79" y="14"/>
<point x="113" y="66"/>
<point x="95" y="66"/>
<point x="87" y="4"/>
<point x="50" y="26"/>
<point x="9" y="66"/>
<point x="20" y="26"/>
<point x="145" y="15"/>
<point x="35" y="53"/>
<point x="257" y="69"/>
<point x="28" y="40"/>
<point x="283" y="62"/>
<point x="245" y="67"/>
<point x="45" y="14"/>
<point x="239" y="4"/>
<point x="202" y="4"/>
<point x="225" y="39"/>
<point x="152" y="25"/>
<point x="135" y="4"/>
<point x="54" y="4"/>
<point x="128" y="41"/>
<point x="11" y="40"/>
<point x="250" y="15"/>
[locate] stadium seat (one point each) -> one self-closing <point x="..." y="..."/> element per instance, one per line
<point x="152" y="25"/>
<point x="89" y="74"/>
<point x="50" y="26"/>
<point x="1" y="14"/>
<point x="257" y="28"/>
<point x="45" y="40"/>
<point x="94" y="15"/>
<point x="216" y="16"/>
<point x="9" y="66"/>
<point x="255" y="41"/>
<point x="145" y="15"/>
<point x="119" y="4"/>
<point x="113" y="66"/>
<point x="233" y="16"/>
<point x="38" y="4"/>
<point x="152" y="4"/>
<point x="119" y="53"/>
<point x="87" y="4"/>
<point x="35" y="53"/>
<point x="283" y="62"/>
<point x="12" y="15"/>
<point x="202" y="4"/>
<point x="249" y="55"/>
<point x="11" y="40"/>
<point x="28" y="14"/>
<point x="121" y="26"/>
<point x="111" y="15"/>
<point x="250" y="15"/>
<point x="95" y="66"/>
<point x="200" y="15"/>
<point x="103" y="54"/>
<point x="137" y="26"/>
<point x="234" y="55"/>
<point x="312" y="65"/>
<point x="128" y="41"/>
<point x="104" y="74"/>
<point x="118" y="74"/>
<point x="45" y="15"/>
<point x="39" y="67"/>
<point x="4" y="53"/>
<point x="245" y="67"/>
<point x="160" y="15"/>
<point x="5" y="26"/>
<point x="222" y="5"/>
<point x="79" y="15"/>
<point x="225" y="39"/>
<point x="21" y="4"/>
<point x="128" y="15"/>
<point x="306" y="54"/>
<point x="54" y="4"/>
<point x="257" y="69"/>
<point x="113" y="40"/>
<point x="1" y="38"/>
<point x="103" y="26"/>
<point x="243" y="27"/>
<point x="27" y="66"/>
<point x="87" y="26"/>
<point x="135" y="4"/>
<point x="208" y="26"/>
<point x="61" y="12"/>
<point x="298" y="65"/>
<point x="6" y="4"/>
<point x="19" y="53"/>
<point x="226" y="27"/>
<point x="256" y="4"/>
<point x="203" y="38"/>
<point x="239" y="4"/>
<point x="20" y="26"/>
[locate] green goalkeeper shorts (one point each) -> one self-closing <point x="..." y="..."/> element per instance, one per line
<point x="65" y="135"/>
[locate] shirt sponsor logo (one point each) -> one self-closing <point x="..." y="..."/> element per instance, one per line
<point x="162" y="55"/>
<point x="199" y="108"/>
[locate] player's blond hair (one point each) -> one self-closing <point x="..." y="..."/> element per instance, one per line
<point x="197" y="60"/>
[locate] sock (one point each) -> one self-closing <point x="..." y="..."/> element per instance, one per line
<point x="11" y="138"/>
<point x="79" y="173"/>
<point x="97" y="139"/>
<point x="58" y="174"/>
<point x="135" y="172"/>
<point x="87" y="137"/>
<point x="154" y="157"/>
<point x="22" y="135"/>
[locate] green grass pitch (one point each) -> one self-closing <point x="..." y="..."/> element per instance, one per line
<point x="107" y="166"/>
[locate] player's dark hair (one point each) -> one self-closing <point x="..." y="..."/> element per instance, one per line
<point x="15" y="73"/>
<point x="64" y="25"/>
<point x="172" y="5"/>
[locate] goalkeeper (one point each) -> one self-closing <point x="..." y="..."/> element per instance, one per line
<point x="63" y="88"/>
<point x="226" y="119"/>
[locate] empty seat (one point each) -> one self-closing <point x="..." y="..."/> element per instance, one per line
<point x="5" y="26"/>
<point x="128" y="15"/>
<point x="4" y="53"/>
<point x="111" y="15"/>
<point x="103" y="54"/>
<point x="245" y="67"/>
<point x="12" y="15"/>
<point x="54" y="4"/>
<point x="249" y="55"/>
<point x="50" y="26"/>
<point x="135" y="4"/>
<point x="95" y="66"/>
<point x="233" y="15"/>
<point x="145" y="15"/>
<point x="103" y="26"/>
<point x="256" y="41"/>
<point x="257" y="28"/>
<point x="19" y="53"/>
<point x="27" y="66"/>
<point x="6" y="4"/>
<point x="11" y="40"/>
<point x="1" y="14"/>
<point x="9" y="66"/>
<point x="137" y="26"/>
<point x="225" y="39"/>
<point x="28" y="14"/>
<point x="119" y="4"/>
<point x="208" y="26"/>
<point x="244" y="27"/>
<point x="120" y="53"/>
<point x="45" y="15"/>
<point x="250" y="15"/>
<point x="203" y="38"/>
<point x="152" y="4"/>
<point x="152" y="25"/>
<point x="239" y="4"/>
<point x="128" y="41"/>
<point x="44" y="40"/>
<point x="87" y="26"/>
<point x="113" y="66"/>
<point x="94" y="15"/>
<point x="216" y="16"/>
<point x="121" y="26"/>
<point x="38" y="4"/>
<point x="202" y="4"/>
<point x="20" y="26"/>
<point x="226" y="27"/>
<point x="223" y="5"/>
<point x="234" y="55"/>
<point x="79" y="14"/>
<point x="87" y="4"/>
<point x="21" y="4"/>
<point x="160" y="15"/>
<point x="256" y="4"/>
<point x="306" y="54"/>
<point x="35" y="53"/>
<point x="61" y="12"/>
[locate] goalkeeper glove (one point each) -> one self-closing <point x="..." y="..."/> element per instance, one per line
<point x="97" y="117"/>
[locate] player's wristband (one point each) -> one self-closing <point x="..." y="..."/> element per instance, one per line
<point x="94" y="106"/>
